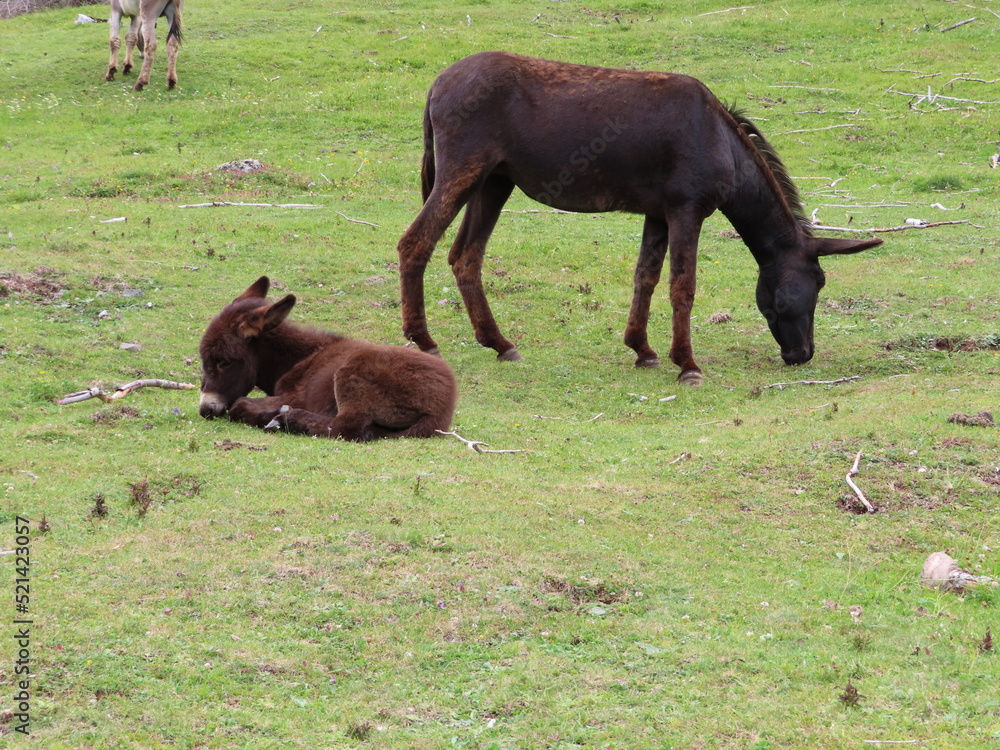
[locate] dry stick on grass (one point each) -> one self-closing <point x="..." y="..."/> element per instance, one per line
<point x="811" y="130"/>
<point x="124" y="390"/>
<point x="357" y="221"/>
<point x="930" y="97"/>
<point x="928" y="225"/>
<point x="781" y="386"/>
<point x="956" y="25"/>
<point x="475" y="445"/>
<point x="727" y="10"/>
<point x="255" y="205"/>
<point x="853" y="473"/>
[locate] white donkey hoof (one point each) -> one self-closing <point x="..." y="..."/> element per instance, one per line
<point x="275" y="424"/>
<point x="648" y="363"/>
<point x="511" y="355"/>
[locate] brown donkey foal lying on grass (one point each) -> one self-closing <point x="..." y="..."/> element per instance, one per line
<point x="317" y="382"/>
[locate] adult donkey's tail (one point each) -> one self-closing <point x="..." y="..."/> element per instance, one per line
<point x="427" y="168"/>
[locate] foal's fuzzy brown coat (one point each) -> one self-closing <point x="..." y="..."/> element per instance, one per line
<point x="317" y="382"/>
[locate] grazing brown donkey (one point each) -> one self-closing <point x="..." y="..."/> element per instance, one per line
<point x="581" y="138"/>
<point x="317" y="382"/>
<point x="142" y="33"/>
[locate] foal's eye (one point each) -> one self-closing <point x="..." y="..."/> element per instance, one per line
<point x="221" y="366"/>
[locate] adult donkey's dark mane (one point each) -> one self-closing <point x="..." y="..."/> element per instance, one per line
<point x="772" y="163"/>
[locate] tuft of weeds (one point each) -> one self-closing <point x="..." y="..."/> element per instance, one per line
<point x="360" y="731"/>
<point x="850" y="697"/>
<point x="987" y="643"/>
<point x="140" y="497"/>
<point x="100" y="507"/>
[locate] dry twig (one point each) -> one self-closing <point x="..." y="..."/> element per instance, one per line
<point x="781" y="386"/>
<point x="727" y="10"/>
<point x="956" y="25"/>
<point x="255" y="205"/>
<point x="124" y="390"/>
<point x="861" y="496"/>
<point x="356" y="221"/>
<point x="475" y="445"/>
<point x="904" y="227"/>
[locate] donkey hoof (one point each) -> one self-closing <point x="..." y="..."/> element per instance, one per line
<point x="691" y="377"/>
<point x="648" y="363"/>
<point x="277" y="423"/>
<point x="511" y="355"/>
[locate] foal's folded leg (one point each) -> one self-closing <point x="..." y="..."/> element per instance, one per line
<point x="344" y="425"/>
<point x="256" y="412"/>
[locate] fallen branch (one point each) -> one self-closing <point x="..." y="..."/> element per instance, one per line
<point x="861" y="496"/>
<point x="558" y="36"/>
<point x="975" y="80"/>
<point x="475" y="445"/>
<point x="811" y="130"/>
<point x="356" y="221"/>
<point x="124" y="390"/>
<point x="924" y="225"/>
<point x="956" y="25"/>
<point x="254" y="205"/>
<point x="727" y="10"/>
<point x="781" y="386"/>
<point x="930" y="97"/>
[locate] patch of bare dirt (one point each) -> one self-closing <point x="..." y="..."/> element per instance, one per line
<point x="41" y="285"/>
<point x="980" y="419"/>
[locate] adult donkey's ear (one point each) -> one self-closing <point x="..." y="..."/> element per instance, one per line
<point x="829" y="246"/>
<point x="265" y="318"/>
<point x="257" y="290"/>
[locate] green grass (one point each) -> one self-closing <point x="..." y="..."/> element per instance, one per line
<point x="648" y="573"/>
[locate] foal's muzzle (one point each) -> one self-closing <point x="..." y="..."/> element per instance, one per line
<point x="212" y="405"/>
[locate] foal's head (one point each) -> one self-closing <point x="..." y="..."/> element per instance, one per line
<point x="787" y="291"/>
<point x="229" y="360"/>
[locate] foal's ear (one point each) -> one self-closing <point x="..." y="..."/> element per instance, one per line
<point x="257" y="290"/>
<point x="829" y="246"/>
<point x="266" y="318"/>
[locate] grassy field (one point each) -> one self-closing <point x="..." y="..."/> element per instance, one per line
<point x="691" y="572"/>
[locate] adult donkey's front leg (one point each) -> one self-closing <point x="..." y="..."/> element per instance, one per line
<point x="114" y="27"/>
<point x="683" y="243"/>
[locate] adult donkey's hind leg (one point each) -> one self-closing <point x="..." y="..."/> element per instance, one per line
<point x="173" y="40"/>
<point x="416" y="246"/>
<point x="466" y="260"/>
<point x="647" y="276"/>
